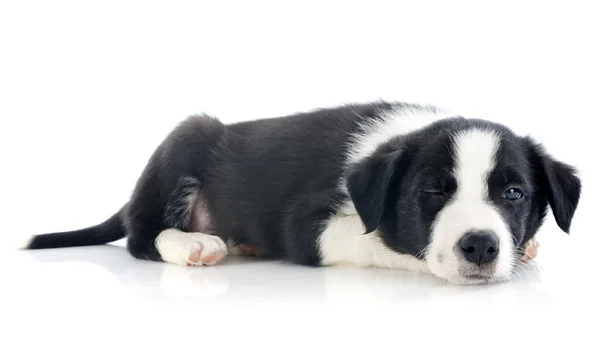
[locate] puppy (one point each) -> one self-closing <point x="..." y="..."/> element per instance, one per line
<point x="390" y="185"/>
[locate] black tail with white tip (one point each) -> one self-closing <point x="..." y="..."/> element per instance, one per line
<point x="106" y="232"/>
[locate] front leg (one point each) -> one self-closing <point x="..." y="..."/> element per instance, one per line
<point x="324" y="229"/>
<point x="343" y="242"/>
<point x="304" y="220"/>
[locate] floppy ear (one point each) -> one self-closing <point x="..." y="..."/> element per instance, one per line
<point x="560" y="184"/>
<point x="368" y="184"/>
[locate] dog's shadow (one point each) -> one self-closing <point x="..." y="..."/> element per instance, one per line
<point x="256" y="279"/>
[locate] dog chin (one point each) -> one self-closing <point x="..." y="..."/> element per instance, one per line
<point x="474" y="279"/>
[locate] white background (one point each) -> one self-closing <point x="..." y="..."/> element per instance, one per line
<point x="89" y="88"/>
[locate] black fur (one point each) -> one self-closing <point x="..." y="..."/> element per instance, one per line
<point x="258" y="180"/>
<point x="272" y="183"/>
<point x="369" y="182"/>
<point x="106" y="232"/>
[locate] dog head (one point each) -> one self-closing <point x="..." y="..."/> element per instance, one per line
<point x="464" y="195"/>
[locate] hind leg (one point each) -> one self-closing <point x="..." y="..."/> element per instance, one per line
<point x="166" y="218"/>
<point x="177" y="232"/>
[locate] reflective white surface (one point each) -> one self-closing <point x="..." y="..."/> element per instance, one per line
<point x="97" y="292"/>
<point x="89" y="89"/>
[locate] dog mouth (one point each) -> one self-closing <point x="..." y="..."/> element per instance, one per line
<point x="478" y="276"/>
<point x="482" y="273"/>
<point x="473" y="279"/>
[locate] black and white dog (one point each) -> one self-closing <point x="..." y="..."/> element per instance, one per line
<point x="384" y="184"/>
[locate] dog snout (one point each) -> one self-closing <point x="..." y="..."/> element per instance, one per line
<point x="479" y="247"/>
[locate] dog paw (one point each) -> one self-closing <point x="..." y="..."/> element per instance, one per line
<point x="530" y="250"/>
<point x="207" y="252"/>
<point x="190" y="248"/>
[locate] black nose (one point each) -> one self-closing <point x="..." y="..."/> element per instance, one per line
<point x="479" y="247"/>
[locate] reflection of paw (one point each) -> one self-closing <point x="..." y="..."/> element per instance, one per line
<point x="531" y="250"/>
<point x="193" y="283"/>
<point x="190" y="248"/>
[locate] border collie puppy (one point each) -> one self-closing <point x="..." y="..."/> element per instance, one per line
<point x="382" y="184"/>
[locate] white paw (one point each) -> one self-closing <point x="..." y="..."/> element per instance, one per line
<point x="531" y="249"/>
<point x="190" y="248"/>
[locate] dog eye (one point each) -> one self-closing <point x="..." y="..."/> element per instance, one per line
<point x="513" y="194"/>
<point x="435" y="191"/>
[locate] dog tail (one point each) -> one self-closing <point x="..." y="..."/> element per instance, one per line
<point x="106" y="232"/>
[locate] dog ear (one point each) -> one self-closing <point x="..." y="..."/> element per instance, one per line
<point x="560" y="184"/>
<point x="368" y="184"/>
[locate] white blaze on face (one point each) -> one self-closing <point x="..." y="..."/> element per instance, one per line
<point x="469" y="209"/>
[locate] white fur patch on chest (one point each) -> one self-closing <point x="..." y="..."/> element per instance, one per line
<point x="342" y="242"/>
